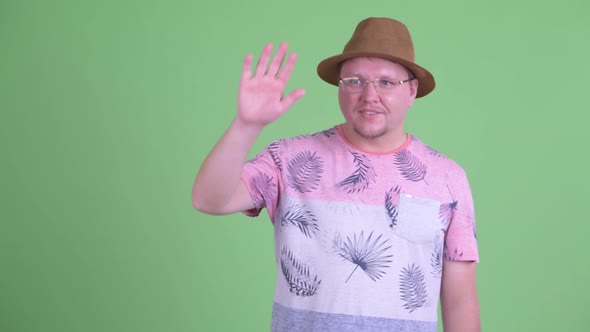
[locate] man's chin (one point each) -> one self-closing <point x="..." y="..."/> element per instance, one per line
<point x="368" y="133"/>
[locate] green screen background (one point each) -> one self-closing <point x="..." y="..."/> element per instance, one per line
<point x="109" y="107"/>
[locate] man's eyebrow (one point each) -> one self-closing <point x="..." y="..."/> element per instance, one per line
<point x="380" y="77"/>
<point x="353" y="75"/>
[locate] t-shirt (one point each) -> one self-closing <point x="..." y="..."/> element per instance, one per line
<point x="360" y="238"/>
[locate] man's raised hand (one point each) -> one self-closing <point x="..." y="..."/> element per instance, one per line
<point x="261" y="97"/>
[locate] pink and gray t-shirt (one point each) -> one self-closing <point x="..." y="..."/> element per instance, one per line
<point x="360" y="238"/>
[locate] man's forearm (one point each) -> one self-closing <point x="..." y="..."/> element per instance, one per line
<point x="219" y="175"/>
<point x="460" y="304"/>
<point x="464" y="317"/>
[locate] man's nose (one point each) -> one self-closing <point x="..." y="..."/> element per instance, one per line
<point x="370" y="91"/>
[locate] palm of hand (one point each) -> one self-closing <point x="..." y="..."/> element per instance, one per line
<point x="260" y="97"/>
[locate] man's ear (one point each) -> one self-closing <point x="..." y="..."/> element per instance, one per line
<point x="413" y="91"/>
<point x="414" y="84"/>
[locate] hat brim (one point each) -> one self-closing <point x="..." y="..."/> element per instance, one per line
<point x="328" y="69"/>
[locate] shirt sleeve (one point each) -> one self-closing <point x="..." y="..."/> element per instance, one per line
<point x="261" y="175"/>
<point x="461" y="236"/>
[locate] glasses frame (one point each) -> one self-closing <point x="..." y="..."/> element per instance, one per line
<point x="365" y="83"/>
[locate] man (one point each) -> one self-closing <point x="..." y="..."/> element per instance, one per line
<point x="371" y="225"/>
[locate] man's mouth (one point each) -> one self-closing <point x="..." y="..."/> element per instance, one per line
<point x="369" y="113"/>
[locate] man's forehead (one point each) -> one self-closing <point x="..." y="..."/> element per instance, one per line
<point x="360" y="62"/>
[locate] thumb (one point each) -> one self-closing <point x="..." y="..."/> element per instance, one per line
<point x="292" y="98"/>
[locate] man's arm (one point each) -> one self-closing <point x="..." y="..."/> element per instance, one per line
<point x="218" y="188"/>
<point x="459" y="301"/>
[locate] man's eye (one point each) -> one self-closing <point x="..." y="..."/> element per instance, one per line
<point x="385" y="83"/>
<point x="355" y="81"/>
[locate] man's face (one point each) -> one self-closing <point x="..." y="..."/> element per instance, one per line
<point x="375" y="116"/>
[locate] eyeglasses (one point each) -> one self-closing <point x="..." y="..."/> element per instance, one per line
<point x="355" y="84"/>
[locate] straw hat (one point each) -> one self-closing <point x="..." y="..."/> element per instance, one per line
<point x="380" y="38"/>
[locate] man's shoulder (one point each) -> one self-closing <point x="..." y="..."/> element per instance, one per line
<point x="319" y="138"/>
<point x="433" y="156"/>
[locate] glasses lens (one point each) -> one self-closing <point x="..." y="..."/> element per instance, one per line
<point x="354" y="84"/>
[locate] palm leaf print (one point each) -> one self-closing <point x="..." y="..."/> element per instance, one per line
<point x="305" y="171"/>
<point x="368" y="254"/>
<point x="263" y="184"/>
<point x="446" y="213"/>
<point x="273" y="149"/>
<point x="452" y="255"/>
<point x="434" y="152"/>
<point x="410" y="166"/>
<point x="297" y="275"/>
<point x="412" y="287"/>
<point x="327" y="132"/>
<point x="299" y="216"/>
<point x="436" y="258"/>
<point x="360" y="179"/>
<point x="297" y="138"/>
<point x="391" y="205"/>
<point x="472" y="223"/>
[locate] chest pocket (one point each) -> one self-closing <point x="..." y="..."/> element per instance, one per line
<point x="418" y="219"/>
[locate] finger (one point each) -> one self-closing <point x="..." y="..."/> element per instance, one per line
<point x="288" y="68"/>
<point x="292" y="98"/>
<point x="247" y="67"/>
<point x="278" y="59"/>
<point x="263" y="60"/>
